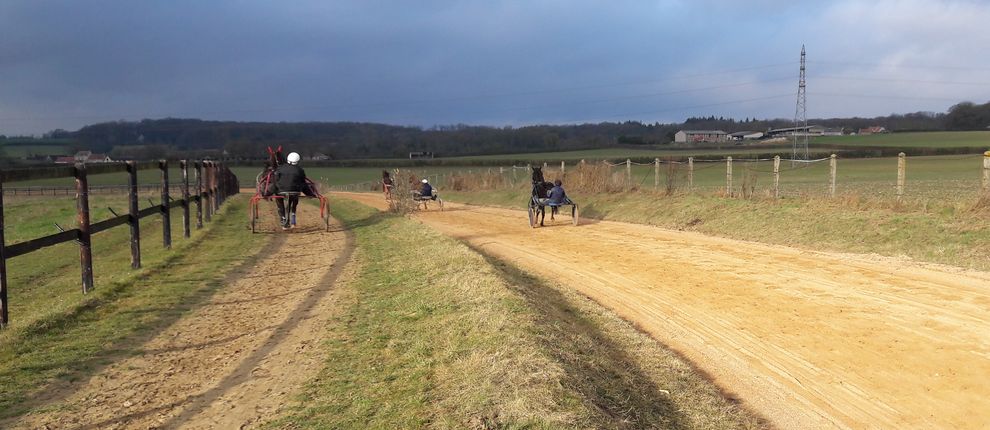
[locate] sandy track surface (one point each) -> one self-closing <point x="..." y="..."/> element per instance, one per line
<point x="232" y="362"/>
<point x="808" y="339"/>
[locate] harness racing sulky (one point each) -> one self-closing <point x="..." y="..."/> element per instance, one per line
<point x="286" y="200"/>
<point x="541" y="198"/>
<point x="425" y="194"/>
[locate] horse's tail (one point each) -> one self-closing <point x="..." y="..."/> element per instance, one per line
<point x="310" y="189"/>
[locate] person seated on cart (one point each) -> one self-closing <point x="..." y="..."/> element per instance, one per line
<point x="425" y="191"/>
<point x="290" y="181"/>
<point x="556" y="196"/>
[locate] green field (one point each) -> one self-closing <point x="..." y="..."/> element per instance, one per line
<point x="146" y="176"/>
<point x="935" y="139"/>
<point x="956" y="171"/>
<point x="20" y="148"/>
<point x="620" y="153"/>
<point x="927" y="176"/>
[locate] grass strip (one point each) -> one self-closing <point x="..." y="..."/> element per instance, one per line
<point x="125" y="309"/>
<point x="955" y="233"/>
<point x="433" y="334"/>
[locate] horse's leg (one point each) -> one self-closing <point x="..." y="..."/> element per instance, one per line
<point x="553" y="211"/>
<point x="543" y="214"/>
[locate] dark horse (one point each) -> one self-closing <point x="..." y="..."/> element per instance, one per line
<point x="541" y="190"/>
<point x="387" y="184"/>
<point x="266" y="179"/>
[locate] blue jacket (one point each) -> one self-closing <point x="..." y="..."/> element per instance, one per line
<point x="557" y="196"/>
<point x="426" y="191"/>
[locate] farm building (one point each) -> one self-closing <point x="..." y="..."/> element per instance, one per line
<point x="873" y="130"/>
<point x="420" y="154"/>
<point x="810" y="130"/>
<point x="84" y="157"/>
<point x="700" y="136"/>
<point x="747" y="135"/>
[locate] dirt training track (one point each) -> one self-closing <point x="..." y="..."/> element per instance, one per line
<point x="231" y="363"/>
<point x="809" y="339"/>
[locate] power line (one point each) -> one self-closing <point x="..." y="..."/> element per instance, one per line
<point x="880" y="96"/>
<point x="911" y="81"/>
<point x="901" y="66"/>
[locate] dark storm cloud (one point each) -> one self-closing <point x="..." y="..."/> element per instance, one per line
<point x="69" y="63"/>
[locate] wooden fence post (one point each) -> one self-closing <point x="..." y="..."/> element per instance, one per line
<point x="776" y="176"/>
<point x="728" y="176"/>
<point x="901" y="173"/>
<point x="166" y="213"/>
<point x="690" y="174"/>
<point x="207" y="194"/>
<point x="82" y="218"/>
<point x="831" y="176"/>
<point x="4" y="317"/>
<point x="199" y="194"/>
<point x="561" y="167"/>
<point x="184" y="164"/>
<point x="628" y="173"/>
<point x="986" y="171"/>
<point x="656" y="173"/>
<point x="132" y="208"/>
<point x="215" y="184"/>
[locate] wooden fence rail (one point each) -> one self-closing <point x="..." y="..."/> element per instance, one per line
<point x="830" y="178"/>
<point x="214" y="183"/>
<point x="64" y="190"/>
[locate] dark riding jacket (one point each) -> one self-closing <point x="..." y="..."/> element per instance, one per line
<point x="556" y="196"/>
<point x="290" y="178"/>
<point x="426" y="190"/>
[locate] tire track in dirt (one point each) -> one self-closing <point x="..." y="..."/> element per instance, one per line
<point x="234" y="361"/>
<point x="809" y="339"/>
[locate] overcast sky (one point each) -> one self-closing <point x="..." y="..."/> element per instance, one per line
<point x="64" y="64"/>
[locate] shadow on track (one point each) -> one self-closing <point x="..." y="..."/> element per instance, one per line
<point x="597" y="368"/>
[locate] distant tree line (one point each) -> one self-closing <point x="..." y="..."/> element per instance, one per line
<point x="349" y="140"/>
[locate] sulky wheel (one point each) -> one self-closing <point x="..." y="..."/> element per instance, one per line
<point x="532" y="217"/>
<point x="574" y="214"/>
<point x="440" y="202"/>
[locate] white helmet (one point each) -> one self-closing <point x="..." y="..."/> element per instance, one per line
<point x="425" y="181"/>
<point x="292" y="158"/>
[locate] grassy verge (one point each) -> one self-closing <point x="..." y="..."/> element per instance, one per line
<point x="433" y="334"/>
<point x="956" y="233"/>
<point x="59" y="335"/>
